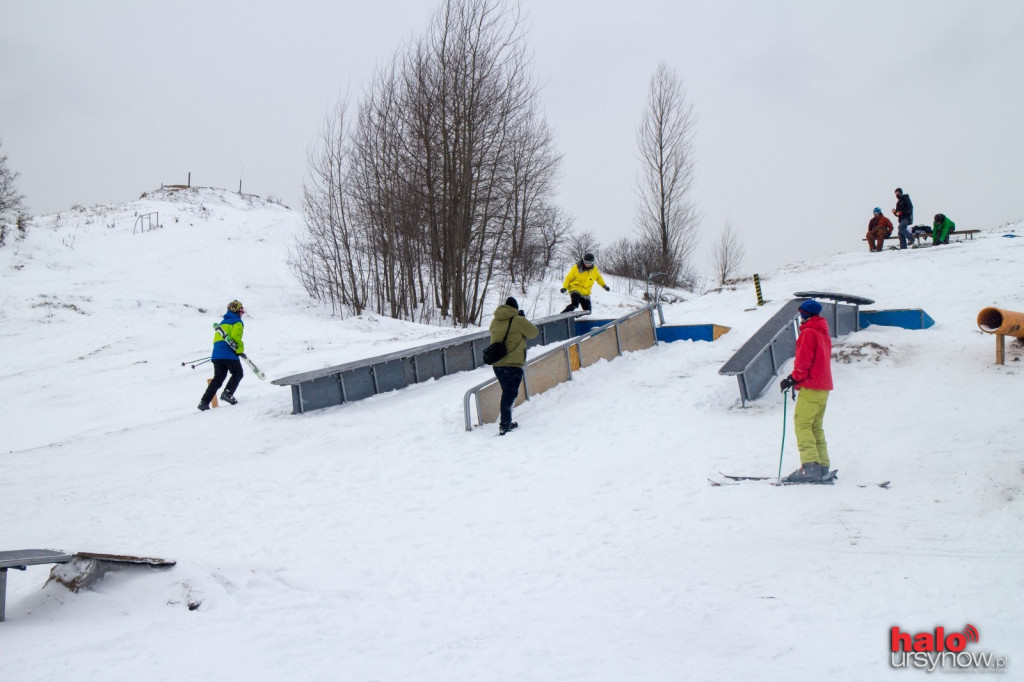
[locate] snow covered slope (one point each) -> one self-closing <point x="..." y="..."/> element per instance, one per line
<point x="380" y="541"/>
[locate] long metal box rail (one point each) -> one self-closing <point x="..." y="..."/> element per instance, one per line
<point x="364" y="378"/>
<point x="758" y="360"/>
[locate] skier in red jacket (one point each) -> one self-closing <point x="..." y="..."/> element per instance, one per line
<point x="812" y="378"/>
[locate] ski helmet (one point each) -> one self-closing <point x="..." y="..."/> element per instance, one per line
<point x="588" y="259"/>
<point x="236" y="307"/>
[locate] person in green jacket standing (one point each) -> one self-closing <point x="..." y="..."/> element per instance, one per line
<point x="510" y="324"/>
<point x="941" y="229"/>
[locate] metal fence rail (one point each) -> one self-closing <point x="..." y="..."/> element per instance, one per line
<point x="635" y="331"/>
<point x="364" y="378"/>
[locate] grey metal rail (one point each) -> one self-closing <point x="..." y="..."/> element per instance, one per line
<point x="758" y="360"/>
<point x="368" y="377"/>
<point x="635" y="331"/>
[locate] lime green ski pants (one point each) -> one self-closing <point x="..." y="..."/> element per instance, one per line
<point x="807" y="419"/>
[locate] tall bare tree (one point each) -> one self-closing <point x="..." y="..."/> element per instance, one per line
<point x="728" y="255"/>
<point x="666" y="217"/>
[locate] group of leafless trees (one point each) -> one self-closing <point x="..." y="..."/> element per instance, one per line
<point x="437" y="187"/>
<point x="440" y="187"/>
<point x="12" y="203"/>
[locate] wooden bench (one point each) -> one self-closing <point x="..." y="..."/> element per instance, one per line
<point x="918" y="237"/>
<point x="22" y="558"/>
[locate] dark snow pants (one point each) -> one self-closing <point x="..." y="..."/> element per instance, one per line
<point x="578" y="300"/>
<point x="509" y="378"/>
<point x="220" y="370"/>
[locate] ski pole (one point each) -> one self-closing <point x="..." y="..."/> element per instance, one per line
<point x="191" y="361"/>
<point x="783" y="448"/>
<point x="201" y="362"/>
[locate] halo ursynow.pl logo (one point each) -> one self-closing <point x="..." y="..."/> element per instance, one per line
<point x="931" y="650"/>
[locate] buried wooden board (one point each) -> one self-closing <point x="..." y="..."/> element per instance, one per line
<point x="86" y="568"/>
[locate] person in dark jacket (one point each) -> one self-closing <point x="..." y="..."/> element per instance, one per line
<point x="510" y="324"/>
<point x="941" y="229"/>
<point x="812" y="378"/>
<point x="904" y="212"/>
<point x="227" y="348"/>
<point x="879" y="227"/>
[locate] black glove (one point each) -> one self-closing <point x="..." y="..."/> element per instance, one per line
<point x="562" y="290"/>
<point x="787" y="383"/>
<point x="241" y="355"/>
<point x="521" y="313"/>
<point x="607" y="289"/>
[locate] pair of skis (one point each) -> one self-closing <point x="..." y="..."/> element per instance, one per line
<point x="234" y="346"/>
<point x="737" y="480"/>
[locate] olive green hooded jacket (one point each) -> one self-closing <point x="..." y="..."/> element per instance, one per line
<point x="518" y="333"/>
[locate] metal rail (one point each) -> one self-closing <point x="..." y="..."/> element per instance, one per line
<point x="758" y="360"/>
<point x="372" y="376"/>
<point x="146" y="220"/>
<point x="634" y="331"/>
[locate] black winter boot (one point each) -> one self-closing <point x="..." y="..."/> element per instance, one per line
<point x="228" y="398"/>
<point x="204" y="406"/>
<point x="808" y="473"/>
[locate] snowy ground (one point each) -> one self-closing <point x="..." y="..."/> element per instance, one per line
<point x="380" y="541"/>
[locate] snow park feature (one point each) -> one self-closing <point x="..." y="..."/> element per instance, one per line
<point x="1002" y="323"/>
<point x="379" y="540"/>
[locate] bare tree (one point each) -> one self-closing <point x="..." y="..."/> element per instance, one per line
<point x="12" y="203"/>
<point x="555" y="227"/>
<point x="666" y="218"/>
<point x="578" y="244"/>
<point x="728" y="254"/>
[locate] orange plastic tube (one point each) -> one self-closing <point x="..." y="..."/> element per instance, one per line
<point x="998" y="321"/>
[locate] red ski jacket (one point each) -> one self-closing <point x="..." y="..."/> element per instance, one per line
<point x="813" y="365"/>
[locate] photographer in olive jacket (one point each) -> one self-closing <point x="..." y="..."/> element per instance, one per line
<point x="510" y="324"/>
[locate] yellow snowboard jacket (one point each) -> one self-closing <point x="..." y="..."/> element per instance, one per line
<point x="581" y="279"/>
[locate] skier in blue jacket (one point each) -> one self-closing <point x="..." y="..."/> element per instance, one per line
<point x="225" y="356"/>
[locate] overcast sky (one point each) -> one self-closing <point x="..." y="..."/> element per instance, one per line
<point x="810" y="112"/>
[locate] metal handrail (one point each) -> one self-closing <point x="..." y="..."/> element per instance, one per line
<point x="473" y="394"/>
<point x="146" y="219"/>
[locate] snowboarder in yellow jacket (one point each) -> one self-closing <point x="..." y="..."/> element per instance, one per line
<point x="578" y="282"/>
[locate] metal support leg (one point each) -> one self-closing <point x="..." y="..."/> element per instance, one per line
<point x="3" y="592"/>
<point x="1000" y="349"/>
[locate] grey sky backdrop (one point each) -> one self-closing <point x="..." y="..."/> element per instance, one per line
<point x="810" y="111"/>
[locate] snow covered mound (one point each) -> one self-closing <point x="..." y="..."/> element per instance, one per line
<point x="379" y="540"/>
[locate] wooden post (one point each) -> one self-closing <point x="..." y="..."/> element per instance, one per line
<point x="1000" y="349"/>
<point x="213" y="400"/>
